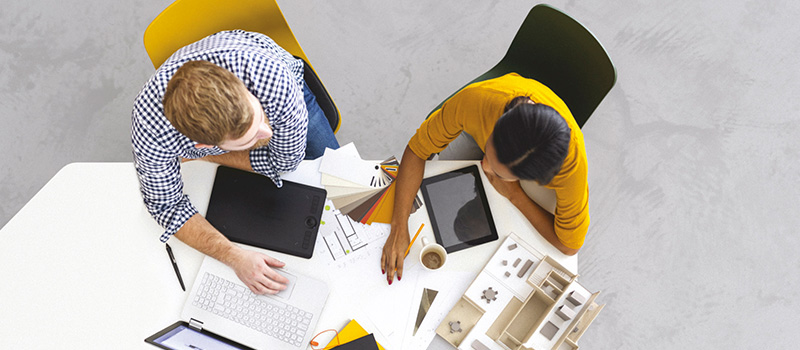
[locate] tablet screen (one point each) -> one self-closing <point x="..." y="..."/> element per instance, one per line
<point x="458" y="209"/>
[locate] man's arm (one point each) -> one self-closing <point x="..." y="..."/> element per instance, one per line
<point x="253" y="268"/>
<point x="409" y="178"/>
<point x="541" y="219"/>
<point x="234" y="159"/>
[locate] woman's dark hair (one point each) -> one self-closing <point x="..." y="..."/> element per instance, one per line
<point x="532" y="140"/>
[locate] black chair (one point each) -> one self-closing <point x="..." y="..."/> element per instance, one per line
<point x="556" y="50"/>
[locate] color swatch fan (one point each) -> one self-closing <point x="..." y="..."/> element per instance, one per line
<point x="361" y="189"/>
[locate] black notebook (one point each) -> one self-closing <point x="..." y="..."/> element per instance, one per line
<point x="248" y="208"/>
<point x="366" y="342"/>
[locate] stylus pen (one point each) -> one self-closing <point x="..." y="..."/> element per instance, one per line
<point x="414" y="239"/>
<point x="175" y="266"/>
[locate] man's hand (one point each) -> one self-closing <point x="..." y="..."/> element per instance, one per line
<point x="253" y="268"/>
<point x="257" y="273"/>
<point x="394" y="252"/>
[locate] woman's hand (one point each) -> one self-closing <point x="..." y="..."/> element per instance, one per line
<point x="394" y="252"/>
<point x="509" y="189"/>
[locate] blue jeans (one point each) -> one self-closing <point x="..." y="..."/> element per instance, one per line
<point x="320" y="134"/>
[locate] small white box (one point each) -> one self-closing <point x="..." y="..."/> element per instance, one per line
<point x="565" y="312"/>
<point x="576" y="298"/>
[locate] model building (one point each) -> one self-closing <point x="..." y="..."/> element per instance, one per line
<point x="535" y="305"/>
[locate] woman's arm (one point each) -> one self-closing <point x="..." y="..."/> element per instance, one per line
<point x="409" y="178"/>
<point x="541" y="219"/>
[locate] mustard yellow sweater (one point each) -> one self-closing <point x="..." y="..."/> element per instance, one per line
<point x="476" y="108"/>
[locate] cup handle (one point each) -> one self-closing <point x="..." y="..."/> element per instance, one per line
<point x="425" y="241"/>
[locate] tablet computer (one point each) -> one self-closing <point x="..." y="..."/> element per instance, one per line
<point x="181" y="336"/>
<point x="458" y="209"/>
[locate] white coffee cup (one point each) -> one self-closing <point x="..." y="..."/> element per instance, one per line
<point x="433" y="256"/>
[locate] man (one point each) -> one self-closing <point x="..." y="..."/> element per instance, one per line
<point x="234" y="98"/>
<point x="526" y="133"/>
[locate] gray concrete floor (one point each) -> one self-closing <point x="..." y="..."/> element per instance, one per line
<point x="693" y="155"/>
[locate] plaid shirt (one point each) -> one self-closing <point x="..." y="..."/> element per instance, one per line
<point x="273" y="75"/>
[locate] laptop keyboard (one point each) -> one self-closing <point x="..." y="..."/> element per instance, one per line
<point x="266" y="315"/>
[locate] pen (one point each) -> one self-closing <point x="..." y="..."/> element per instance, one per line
<point x="414" y="239"/>
<point x="175" y="266"/>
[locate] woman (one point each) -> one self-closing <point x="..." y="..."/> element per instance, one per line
<point x="526" y="133"/>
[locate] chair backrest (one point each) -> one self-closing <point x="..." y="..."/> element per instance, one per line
<point x="187" y="21"/>
<point x="556" y="50"/>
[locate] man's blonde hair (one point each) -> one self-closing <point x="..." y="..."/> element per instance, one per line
<point x="207" y="103"/>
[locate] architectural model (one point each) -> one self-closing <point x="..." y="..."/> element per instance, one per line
<point x="535" y="305"/>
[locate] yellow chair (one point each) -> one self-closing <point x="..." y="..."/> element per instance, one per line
<point x="187" y="21"/>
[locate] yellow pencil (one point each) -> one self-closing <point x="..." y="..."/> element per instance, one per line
<point x="414" y="239"/>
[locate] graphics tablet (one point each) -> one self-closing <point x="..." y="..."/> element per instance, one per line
<point x="458" y="209"/>
<point x="248" y="208"/>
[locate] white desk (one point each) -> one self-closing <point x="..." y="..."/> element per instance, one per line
<point x="82" y="265"/>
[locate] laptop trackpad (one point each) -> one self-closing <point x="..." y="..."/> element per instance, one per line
<point x="286" y="293"/>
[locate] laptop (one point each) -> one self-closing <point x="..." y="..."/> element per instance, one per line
<point x="224" y="314"/>
<point x="248" y="208"/>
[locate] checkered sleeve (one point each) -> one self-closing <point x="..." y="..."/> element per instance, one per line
<point x="160" y="180"/>
<point x="282" y="98"/>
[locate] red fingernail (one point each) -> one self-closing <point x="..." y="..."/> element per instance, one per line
<point x="383" y="272"/>
<point x="390" y="282"/>
<point x="398" y="278"/>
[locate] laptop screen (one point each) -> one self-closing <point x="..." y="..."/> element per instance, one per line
<point x="181" y="337"/>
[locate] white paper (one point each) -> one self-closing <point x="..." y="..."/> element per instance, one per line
<point x="307" y="173"/>
<point x="345" y="164"/>
<point x="388" y="307"/>
<point x="341" y="239"/>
